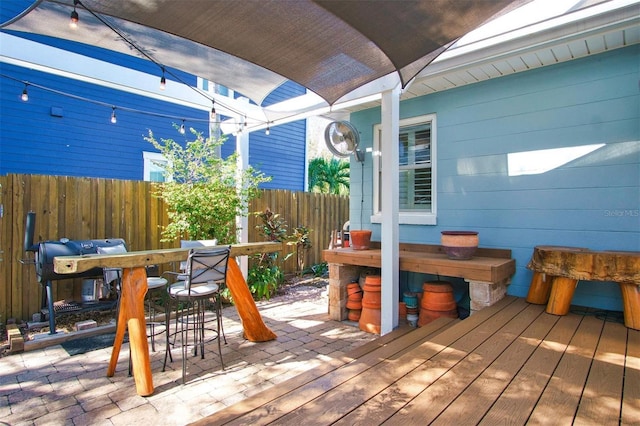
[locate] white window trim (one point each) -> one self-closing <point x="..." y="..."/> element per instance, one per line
<point x="148" y="159"/>
<point x="408" y="217"/>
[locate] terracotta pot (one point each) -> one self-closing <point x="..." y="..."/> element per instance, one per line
<point x="437" y="301"/>
<point x="354" y="314"/>
<point x="354" y="304"/>
<point x="371" y="298"/>
<point x="438" y="296"/>
<point x="360" y="239"/>
<point x="459" y="245"/>
<point x="426" y="316"/>
<point x="402" y="310"/>
<point x="370" y="316"/>
<point x="356" y="297"/>
<point x="354" y="289"/>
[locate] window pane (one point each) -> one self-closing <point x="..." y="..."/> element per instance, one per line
<point x="415" y="167"/>
<point x="156" y="176"/>
<point x="416" y="177"/>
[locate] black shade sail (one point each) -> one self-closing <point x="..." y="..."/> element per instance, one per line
<point x="331" y="47"/>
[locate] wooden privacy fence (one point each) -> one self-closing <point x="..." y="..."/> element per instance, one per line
<point x="87" y="208"/>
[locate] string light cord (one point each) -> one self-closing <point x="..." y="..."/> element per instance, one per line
<point x="250" y="122"/>
<point x="106" y="104"/>
<point x="151" y="59"/>
<point x="258" y="122"/>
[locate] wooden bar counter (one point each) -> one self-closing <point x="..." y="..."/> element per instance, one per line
<point x="557" y="270"/>
<point x="488" y="272"/>
<point x="134" y="289"/>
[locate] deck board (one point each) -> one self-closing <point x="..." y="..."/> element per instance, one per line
<point x="477" y="355"/>
<point x="402" y="391"/>
<point x="511" y="363"/>
<point x="521" y="395"/>
<point x="561" y="397"/>
<point x="330" y="406"/>
<point x="478" y="397"/>
<point x="631" y="390"/>
<point x="602" y="395"/>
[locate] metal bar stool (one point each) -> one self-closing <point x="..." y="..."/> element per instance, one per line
<point x="206" y="271"/>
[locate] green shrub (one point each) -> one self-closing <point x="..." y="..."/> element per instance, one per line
<point x="204" y="193"/>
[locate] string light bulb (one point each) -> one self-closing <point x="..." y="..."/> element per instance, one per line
<point x="163" y="80"/>
<point x="182" y="130"/>
<point x="25" y="94"/>
<point x="114" y="119"/>
<point x="213" y="109"/>
<point x="268" y="131"/>
<point x="73" y="23"/>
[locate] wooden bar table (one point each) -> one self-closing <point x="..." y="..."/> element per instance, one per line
<point x="134" y="289"/>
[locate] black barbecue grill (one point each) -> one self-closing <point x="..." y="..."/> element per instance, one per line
<point x="45" y="252"/>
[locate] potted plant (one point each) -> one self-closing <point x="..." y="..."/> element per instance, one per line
<point x="459" y="245"/>
<point x="360" y="239"/>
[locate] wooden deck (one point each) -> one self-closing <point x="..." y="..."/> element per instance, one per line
<point x="511" y="363"/>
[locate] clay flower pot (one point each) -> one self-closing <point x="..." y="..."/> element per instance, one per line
<point x="459" y="245"/>
<point x="360" y="239"/>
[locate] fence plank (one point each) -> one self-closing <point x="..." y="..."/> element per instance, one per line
<point x="84" y="208"/>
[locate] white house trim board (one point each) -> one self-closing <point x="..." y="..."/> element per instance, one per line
<point x="390" y="251"/>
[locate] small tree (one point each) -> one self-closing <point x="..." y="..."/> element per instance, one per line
<point x="204" y="193"/>
<point x="329" y="176"/>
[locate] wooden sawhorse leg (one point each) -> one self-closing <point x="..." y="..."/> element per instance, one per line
<point x="131" y="315"/>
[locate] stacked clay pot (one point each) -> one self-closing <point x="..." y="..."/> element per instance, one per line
<point x="411" y="300"/>
<point x="371" y="304"/>
<point x="402" y="313"/>
<point x="437" y="301"/>
<point x="354" y="301"/>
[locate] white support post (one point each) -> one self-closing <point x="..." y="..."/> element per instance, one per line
<point x="390" y="205"/>
<point x="242" y="222"/>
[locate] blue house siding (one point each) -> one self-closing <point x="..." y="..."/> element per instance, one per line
<point x="83" y="142"/>
<point x="592" y="201"/>
<point x="282" y="153"/>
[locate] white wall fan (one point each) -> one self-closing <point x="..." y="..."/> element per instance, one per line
<point x="342" y="139"/>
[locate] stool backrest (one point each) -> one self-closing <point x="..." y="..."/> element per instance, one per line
<point x="195" y="244"/>
<point x="207" y="265"/>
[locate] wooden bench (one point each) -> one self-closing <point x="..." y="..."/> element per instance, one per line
<point x="557" y="270"/>
<point x="488" y="272"/>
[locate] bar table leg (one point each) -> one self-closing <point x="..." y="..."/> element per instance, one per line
<point x="131" y="315"/>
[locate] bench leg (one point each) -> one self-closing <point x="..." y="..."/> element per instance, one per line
<point x="562" y="290"/>
<point x="631" y="304"/>
<point x="539" y="289"/>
